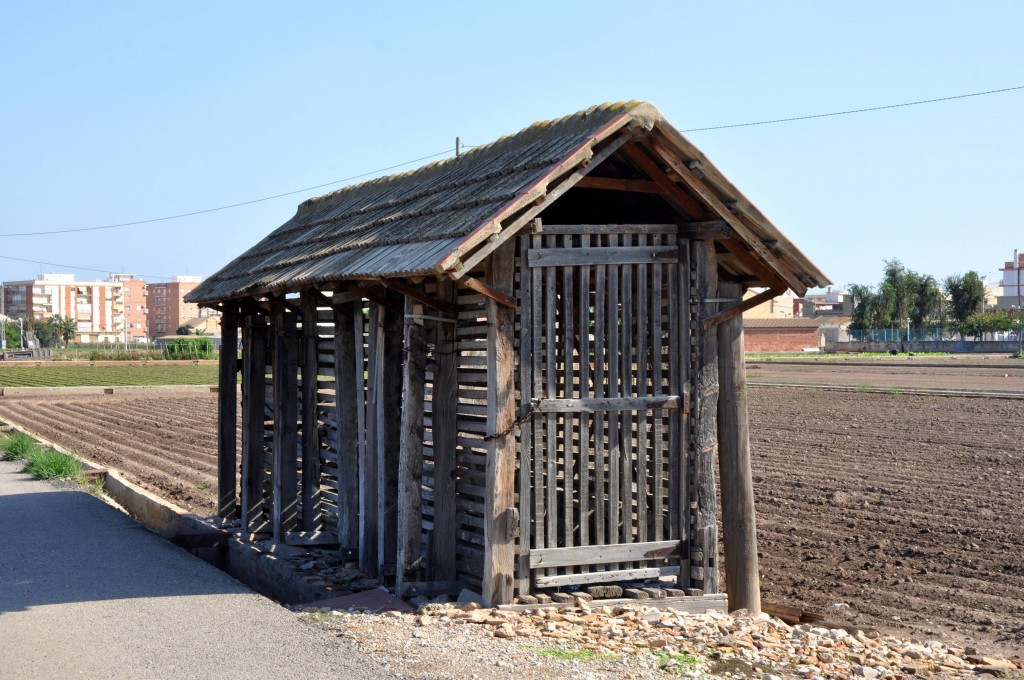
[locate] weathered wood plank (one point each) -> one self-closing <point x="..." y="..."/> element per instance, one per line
<point x="227" y="416"/>
<point x="285" y="464"/>
<point x="444" y="422"/>
<point x="254" y="361"/>
<point x="738" y="520"/>
<point x="499" y="504"/>
<point x="600" y="391"/>
<point x="369" y="489"/>
<point x="311" y="519"/>
<point x="592" y="404"/>
<point x="311" y="538"/>
<point x="643" y="333"/>
<point x="568" y="378"/>
<point x="562" y="257"/>
<point x="605" y="576"/>
<point x="681" y="422"/>
<point x="388" y="405"/>
<point x="537" y="302"/>
<point x="626" y="417"/>
<point x="604" y="554"/>
<point x="526" y="390"/>
<point x="410" y="452"/>
<point x="704" y="552"/>
<point x="657" y="378"/>
<point x="614" y="390"/>
<point x="588" y="229"/>
<point x="585" y="454"/>
<point x="699" y="604"/>
<point x="553" y="441"/>
<point x="349" y="397"/>
<point x="638" y="186"/>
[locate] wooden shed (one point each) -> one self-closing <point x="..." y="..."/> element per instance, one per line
<point x="510" y="370"/>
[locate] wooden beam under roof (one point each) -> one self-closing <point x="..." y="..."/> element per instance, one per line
<point x="639" y="186"/>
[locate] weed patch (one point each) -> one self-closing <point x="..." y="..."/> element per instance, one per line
<point x="676" y="664"/>
<point x="51" y="464"/>
<point x="572" y="654"/>
<point x="16" y="446"/>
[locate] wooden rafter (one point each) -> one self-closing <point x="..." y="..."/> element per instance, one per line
<point x="420" y="296"/>
<point x="487" y="291"/>
<point x="735" y="310"/>
<point x="714" y="230"/>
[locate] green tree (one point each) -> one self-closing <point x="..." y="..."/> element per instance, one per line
<point x="44" y="331"/>
<point x="64" y="328"/>
<point x="966" y="295"/>
<point x="12" y="333"/>
<point x="184" y="329"/>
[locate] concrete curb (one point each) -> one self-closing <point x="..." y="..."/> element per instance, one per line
<point x="268" y="574"/>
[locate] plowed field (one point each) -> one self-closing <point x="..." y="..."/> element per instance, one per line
<point x="902" y="511"/>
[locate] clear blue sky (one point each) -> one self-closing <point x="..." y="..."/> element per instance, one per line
<point x="115" y="112"/>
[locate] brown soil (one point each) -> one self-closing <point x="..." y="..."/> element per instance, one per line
<point x="995" y="375"/>
<point x="166" y="444"/>
<point x="898" y="511"/>
<point x="905" y="508"/>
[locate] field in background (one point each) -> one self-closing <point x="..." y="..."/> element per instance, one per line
<point x="107" y="374"/>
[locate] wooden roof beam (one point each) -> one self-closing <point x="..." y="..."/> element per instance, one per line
<point x="485" y="290"/>
<point x="637" y="186"/>
<point x="420" y="296"/>
<point x="710" y="322"/>
<point x="684" y="202"/>
<point x="714" y="230"/>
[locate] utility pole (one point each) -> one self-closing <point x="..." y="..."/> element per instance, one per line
<point x="3" y="317"/>
<point x="1020" y="328"/>
<point x="458" y="146"/>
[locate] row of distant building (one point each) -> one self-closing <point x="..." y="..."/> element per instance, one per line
<point x="789" y="323"/>
<point x="122" y="308"/>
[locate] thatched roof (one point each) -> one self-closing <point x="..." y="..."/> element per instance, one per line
<point x="430" y="220"/>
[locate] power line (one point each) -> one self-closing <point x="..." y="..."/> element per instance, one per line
<point x="233" y="205"/>
<point x="846" y="113"/>
<point x="470" y="146"/>
<point x="69" y="266"/>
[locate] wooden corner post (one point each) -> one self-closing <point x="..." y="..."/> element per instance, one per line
<point x="285" y="461"/>
<point x="738" y="521"/>
<point x="227" y="414"/>
<point x="410" y="448"/>
<point x="704" y="546"/>
<point x="499" y="539"/>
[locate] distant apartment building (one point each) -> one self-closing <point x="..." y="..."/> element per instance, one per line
<point x="98" y="307"/>
<point x="136" y="308"/>
<point x="168" y="310"/>
<point x="1012" y="284"/>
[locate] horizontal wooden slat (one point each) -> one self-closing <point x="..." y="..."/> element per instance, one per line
<point x="606" y="229"/>
<point x="560" y="257"/>
<point x="310" y="538"/>
<point x="610" y="404"/>
<point x="600" y="554"/>
<point x="604" y="576"/>
<point x="697" y="604"/>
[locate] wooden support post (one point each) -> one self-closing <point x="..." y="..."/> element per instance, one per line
<point x="311" y="519"/>
<point x="345" y="411"/>
<point x="738" y="520"/>
<point x="285" y="467"/>
<point x="410" y="450"/>
<point x="254" y="361"/>
<point x="227" y="415"/>
<point x="388" y="405"/>
<point x="499" y="503"/>
<point x="369" y="508"/>
<point x="441" y="561"/>
<point x="704" y="531"/>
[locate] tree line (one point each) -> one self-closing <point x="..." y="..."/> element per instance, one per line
<point x="905" y="298"/>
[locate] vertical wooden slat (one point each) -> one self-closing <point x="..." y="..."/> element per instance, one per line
<point x="369" y="510"/>
<point x="614" y="390"/>
<point x="738" y="521"/>
<point x="600" y="417"/>
<point x="643" y="387"/>
<point x="705" y="549"/>
<point x="526" y="392"/>
<point x="626" y="417"/>
<point x="537" y="360"/>
<point x="554" y="439"/>
<point x="499" y="545"/>
<point x="311" y="518"/>
<point x="410" y="454"/>
<point x="254" y="359"/>
<point x="585" y="474"/>
<point x="388" y="405"/>
<point x="678" y="459"/>
<point x="227" y="416"/>
<point x="657" y="381"/>
<point x="348" y="399"/>
<point x="681" y="418"/>
<point x="568" y="319"/>
<point x="443" y="403"/>
<point x="285" y="467"/>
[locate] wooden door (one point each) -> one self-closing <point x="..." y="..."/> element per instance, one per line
<point x="603" y="340"/>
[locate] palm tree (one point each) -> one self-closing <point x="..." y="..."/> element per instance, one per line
<point x="64" y="327"/>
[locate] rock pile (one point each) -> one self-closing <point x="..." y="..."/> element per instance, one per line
<point x="756" y="644"/>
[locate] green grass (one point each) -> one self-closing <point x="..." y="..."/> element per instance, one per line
<point x="572" y="654"/>
<point x="82" y="375"/>
<point x="16" y="446"/>
<point x="47" y="463"/>
<point x="676" y="664"/>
